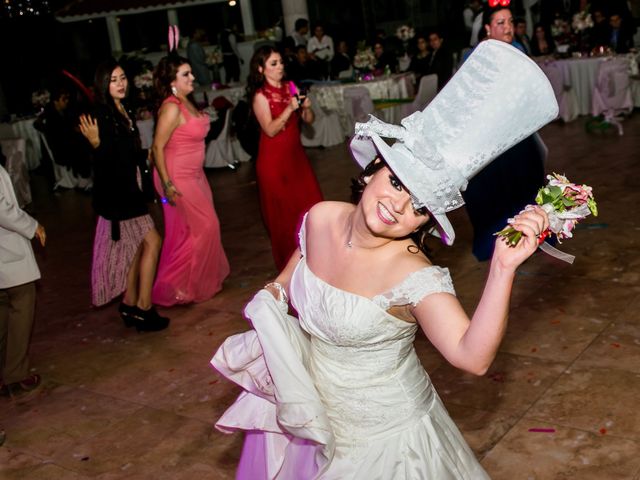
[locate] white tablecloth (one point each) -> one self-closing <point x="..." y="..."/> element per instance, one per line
<point x="579" y="74"/>
<point x="331" y="97"/>
<point x="24" y="129"/>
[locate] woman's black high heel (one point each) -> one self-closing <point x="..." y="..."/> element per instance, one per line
<point x="126" y="313"/>
<point x="144" y="320"/>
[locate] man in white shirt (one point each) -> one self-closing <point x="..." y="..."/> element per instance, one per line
<point x="320" y="48"/>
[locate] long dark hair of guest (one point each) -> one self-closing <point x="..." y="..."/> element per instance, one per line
<point x="255" y="81"/>
<point x="101" y="82"/>
<point x="420" y="236"/>
<point x="166" y="72"/>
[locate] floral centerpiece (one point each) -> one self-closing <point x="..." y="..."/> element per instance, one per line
<point x="364" y="59"/>
<point x="140" y="73"/>
<point x="214" y="57"/>
<point x="143" y="80"/>
<point x="581" y="21"/>
<point x="581" y="24"/>
<point x="39" y="99"/>
<point x="405" y="33"/>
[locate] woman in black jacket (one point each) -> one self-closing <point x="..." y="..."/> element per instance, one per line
<point x="127" y="244"/>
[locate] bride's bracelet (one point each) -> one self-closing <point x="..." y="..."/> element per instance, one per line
<point x="283" y="294"/>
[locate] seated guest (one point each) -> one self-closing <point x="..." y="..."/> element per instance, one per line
<point x="542" y="42"/>
<point x="320" y="48"/>
<point x="621" y="37"/>
<point x="301" y="34"/>
<point x="521" y="35"/>
<point x="420" y="61"/>
<point x="342" y="61"/>
<point x="302" y="67"/>
<point x="58" y="123"/>
<point x="601" y="31"/>
<point x="384" y="59"/>
<point x="440" y="60"/>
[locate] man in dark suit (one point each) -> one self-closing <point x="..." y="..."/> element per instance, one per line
<point x="440" y="60"/>
<point x="621" y="39"/>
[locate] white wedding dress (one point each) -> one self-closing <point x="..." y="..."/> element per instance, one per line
<point x="340" y="393"/>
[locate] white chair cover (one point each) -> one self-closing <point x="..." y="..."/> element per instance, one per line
<point x="63" y="176"/>
<point x="427" y="90"/>
<point x="358" y="106"/>
<point x="225" y="150"/>
<point x="565" y="94"/>
<point x="145" y="127"/>
<point x="612" y="93"/>
<point x="14" y="150"/>
<point x="325" y="131"/>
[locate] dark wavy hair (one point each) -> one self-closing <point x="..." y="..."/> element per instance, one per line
<point x="255" y="81"/>
<point x="165" y="73"/>
<point x="420" y="236"/>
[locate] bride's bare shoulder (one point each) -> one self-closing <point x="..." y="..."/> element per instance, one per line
<point x="326" y="213"/>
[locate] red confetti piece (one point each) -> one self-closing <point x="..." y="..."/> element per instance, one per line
<point x="172" y="369"/>
<point x="534" y="349"/>
<point x="603" y="431"/>
<point x="212" y="382"/>
<point x="542" y="430"/>
<point x="554" y="322"/>
<point x="615" y="345"/>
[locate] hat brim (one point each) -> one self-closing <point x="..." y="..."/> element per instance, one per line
<point x="406" y="167"/>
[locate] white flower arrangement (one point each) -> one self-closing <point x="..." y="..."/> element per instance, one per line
<point x="405" y="33"/>
<point x="214" y="57"/>
<point x="364" y="59"/>
<point x="40" y="98"/>
<point x="581" y="21"/>
<point x="143" y="80"/>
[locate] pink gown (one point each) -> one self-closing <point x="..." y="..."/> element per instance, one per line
<point x="192" y="264"/>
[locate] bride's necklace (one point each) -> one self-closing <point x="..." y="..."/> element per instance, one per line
<point x="350" y="233"/>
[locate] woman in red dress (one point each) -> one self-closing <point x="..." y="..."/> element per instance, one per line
<point x="288" y="187"/>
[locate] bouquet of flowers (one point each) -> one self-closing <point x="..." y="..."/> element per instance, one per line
<point x="364" y="59"/>
<point x="39" y="99"/>
<point x="143" y="80"/>
<point x="405" y="33"/>
<point x="565" y="203"/>
<point x="581" y="21"/>
<point x="215" y="56"/>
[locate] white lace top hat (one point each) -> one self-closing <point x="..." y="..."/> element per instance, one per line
<point x="497" y="98"/>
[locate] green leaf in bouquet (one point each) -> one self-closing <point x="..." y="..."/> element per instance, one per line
<point x="591" y="203"/>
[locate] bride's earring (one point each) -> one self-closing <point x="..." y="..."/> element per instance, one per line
<point x="174" y="90"/>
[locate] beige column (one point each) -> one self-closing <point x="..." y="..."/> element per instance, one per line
<point x="291" y="11"/>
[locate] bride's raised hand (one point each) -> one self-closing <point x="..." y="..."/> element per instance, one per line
<point x="532" y="221"/>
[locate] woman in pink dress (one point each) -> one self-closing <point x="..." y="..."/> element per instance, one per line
<point x="193" y="264"/>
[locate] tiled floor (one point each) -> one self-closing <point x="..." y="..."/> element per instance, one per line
<point x="117" y="404"/>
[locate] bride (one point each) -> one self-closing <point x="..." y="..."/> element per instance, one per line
<point x="339" y="392"/>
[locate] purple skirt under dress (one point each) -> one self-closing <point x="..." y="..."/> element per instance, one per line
<point x="112" y="260"/>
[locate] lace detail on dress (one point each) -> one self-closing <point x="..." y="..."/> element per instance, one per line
<point x="416" y="286"/>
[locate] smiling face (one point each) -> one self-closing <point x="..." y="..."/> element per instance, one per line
<point x="184" y="80"/>
<point x="501" y="26"/>
<point x="388" y="208"/>
<point x="118" y="84"/>
<point x="422" y="45"/>
<point x="273" y="70"/>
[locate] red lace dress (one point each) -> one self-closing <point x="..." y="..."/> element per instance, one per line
<point x="288" y="187"/>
